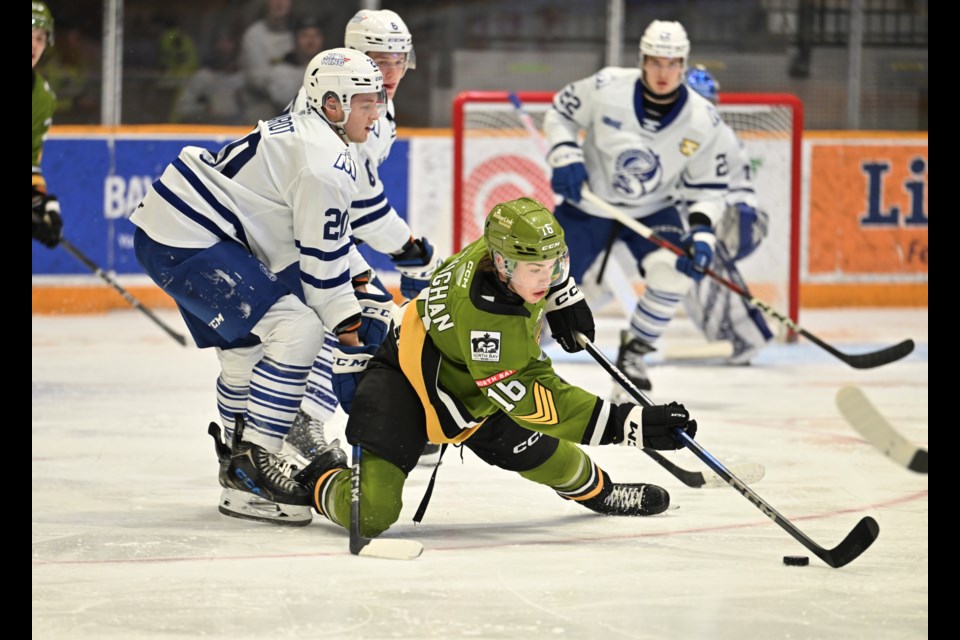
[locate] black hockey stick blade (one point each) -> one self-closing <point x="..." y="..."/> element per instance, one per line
<point x="866" y="420"/>
<point x="749" y="472"/>
<point x="857" y="361"/>
<point x="389" y="549"/>
<point x="864" y="360"/>
<point x="136" y="304"/>
<point x="855" y="543"/>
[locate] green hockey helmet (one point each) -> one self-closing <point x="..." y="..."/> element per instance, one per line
<point x="43" y="19"/>
<point x="524" y="230"/>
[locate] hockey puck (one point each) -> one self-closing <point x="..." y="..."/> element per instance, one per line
<point x="796" y="561"/>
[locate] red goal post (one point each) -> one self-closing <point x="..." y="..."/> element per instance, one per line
<point x="496" y="160"/>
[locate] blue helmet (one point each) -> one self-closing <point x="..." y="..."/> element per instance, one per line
<point x="700" y="80"/>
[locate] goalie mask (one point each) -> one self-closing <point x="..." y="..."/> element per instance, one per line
<point x="342" y="74"/>
<point x="664" y="39"/>
<point x="700" y="80"/>
<point x="382" y="31"/>
<point x="523" y="230"/>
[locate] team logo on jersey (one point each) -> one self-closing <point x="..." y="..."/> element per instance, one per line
<point x="688" y="147"/>
<point x="637" y="172"/>
<point x="345" y="163"/>
<point x="485" y="346"/>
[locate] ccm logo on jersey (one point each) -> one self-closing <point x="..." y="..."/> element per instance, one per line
<point x="485" y="346"/>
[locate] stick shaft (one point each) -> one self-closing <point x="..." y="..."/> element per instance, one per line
<point x="106" y="277"/>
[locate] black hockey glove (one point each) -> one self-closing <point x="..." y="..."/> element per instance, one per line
<point x="416" y="263"/>
<point x="47" y="223"/>
<point x="651" y="427"/>
<point x="568" y="312"/>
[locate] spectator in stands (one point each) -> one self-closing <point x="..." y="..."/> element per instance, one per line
<point x="286" y="77"/>
<point x="215" y="93"/>
<point x="264" y="44"/>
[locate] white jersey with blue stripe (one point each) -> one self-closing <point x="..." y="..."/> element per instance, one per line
<point x="282" y="191"/>
<point x="635" y="162"/>
<point x="372" y="217"/>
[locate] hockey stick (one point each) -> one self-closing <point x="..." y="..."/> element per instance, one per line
<point x="373" y="547"/>
<point x="90" y="264"/>
<point x="877" y="430"/>
<point x="856" y="542"/>
<point x="857" y="361"/>
<point x="538" y="140"/>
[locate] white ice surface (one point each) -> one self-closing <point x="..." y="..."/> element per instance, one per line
<point x="128" y="542"/>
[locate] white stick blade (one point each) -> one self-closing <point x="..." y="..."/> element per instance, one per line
<point x="392" y="549"/>
<point x="873" y="427"/>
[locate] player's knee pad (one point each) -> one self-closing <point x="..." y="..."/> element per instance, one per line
<point x="237" y="364"/>
<point x="660" y="273"/>
<point x="290" y="331"/>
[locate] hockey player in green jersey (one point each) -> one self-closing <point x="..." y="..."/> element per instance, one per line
<point x="47" y="225"/>
<point x="464" y="366"/>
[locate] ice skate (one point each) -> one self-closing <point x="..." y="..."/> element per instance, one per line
<point x="629" y="500"/>
<point x="305" y="439"/>
<point x="257" y="485"/>
<point x="630" y="359"/>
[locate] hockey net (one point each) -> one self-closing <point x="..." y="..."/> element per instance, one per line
<point x="496" y="159"/>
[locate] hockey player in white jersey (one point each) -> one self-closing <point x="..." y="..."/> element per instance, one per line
<point x="253" y="244"/>
<point x="646" y="135"/>
<point x="719" y="312"/>
<point x="384" y="37"/>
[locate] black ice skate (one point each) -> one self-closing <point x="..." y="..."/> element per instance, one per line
<point x="629" y="500"/>
<point x="305" y="439"/>
<point x="257" y="486"/>
<point x="330" y="459"/>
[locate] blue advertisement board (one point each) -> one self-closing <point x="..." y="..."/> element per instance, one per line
<point x="100" y="180"/>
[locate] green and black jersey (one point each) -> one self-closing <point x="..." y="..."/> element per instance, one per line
<point x="44" y="102"/>
<point x="471" y="347"/>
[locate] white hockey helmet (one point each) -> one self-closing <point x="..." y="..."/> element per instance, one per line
<point x="664" y="39"/>
<point x="342" y="73"/>
<point x="381" y="30"/>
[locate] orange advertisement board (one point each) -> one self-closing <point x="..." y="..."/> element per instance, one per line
<point x="867" y="214"/>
